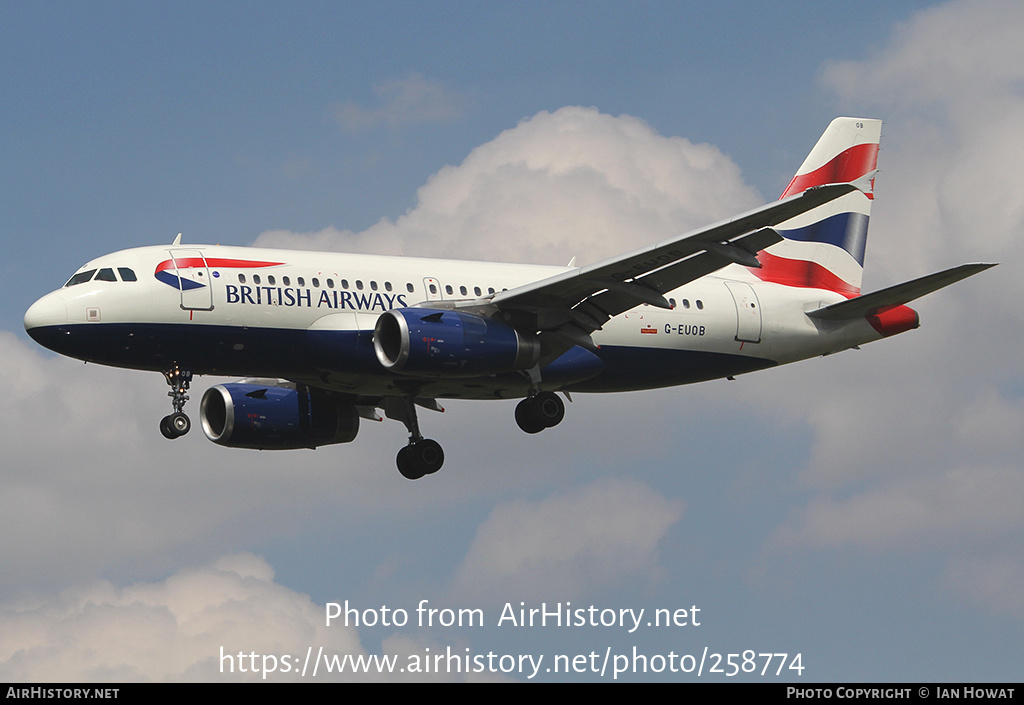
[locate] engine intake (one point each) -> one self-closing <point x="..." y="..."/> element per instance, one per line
<point x="275" y="417"/>
<point x="441" y="343"/>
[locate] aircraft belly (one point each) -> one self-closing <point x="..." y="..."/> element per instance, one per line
<point x="636" y="368"/>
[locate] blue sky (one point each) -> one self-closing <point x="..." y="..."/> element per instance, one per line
<point x="861" y="509"/>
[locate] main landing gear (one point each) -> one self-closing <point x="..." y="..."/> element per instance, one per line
<point x="540" y="411"/>
<point x="177" y="424"/>
<point x="423" y="456"/>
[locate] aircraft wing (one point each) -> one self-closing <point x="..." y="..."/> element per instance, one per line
<point x="573" y="304"/>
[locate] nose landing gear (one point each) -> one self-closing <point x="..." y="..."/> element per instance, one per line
<point x="177" y="424"/>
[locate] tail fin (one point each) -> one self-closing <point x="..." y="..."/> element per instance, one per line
<point x="824" y="248"/>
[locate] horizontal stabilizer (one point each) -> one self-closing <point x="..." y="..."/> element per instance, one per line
<point x="870" y="304"/>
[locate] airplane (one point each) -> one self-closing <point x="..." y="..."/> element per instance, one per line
<point x="325" y="339"/>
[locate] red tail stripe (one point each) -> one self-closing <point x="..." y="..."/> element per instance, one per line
<point x="847" y="166"/>
<point x="798" y="272"/>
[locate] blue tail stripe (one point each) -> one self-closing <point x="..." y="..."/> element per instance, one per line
<point x="846" y="230"/>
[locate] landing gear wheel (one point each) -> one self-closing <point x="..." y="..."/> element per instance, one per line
<point x="527" y="418"/>
<point x="166" y="429"/>
<point x="422" y="457"/>
<point x="407" y="464"/>
<point x="545" y="410"/>
<point x="549" y="409"/>
<point x="175" y="425"/>
<point x="180" y="423"/>
<point x="429" y="455"/>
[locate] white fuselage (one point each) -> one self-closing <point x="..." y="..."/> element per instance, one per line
<point x="308" y="316"/>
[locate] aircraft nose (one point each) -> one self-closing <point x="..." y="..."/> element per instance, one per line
<point x="51" y="310"/>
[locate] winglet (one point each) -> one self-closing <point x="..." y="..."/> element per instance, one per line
<point x="177" y="240"/>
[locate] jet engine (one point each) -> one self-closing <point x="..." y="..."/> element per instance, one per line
<point x="276" y="416"/>
<point x="420" y="341"/>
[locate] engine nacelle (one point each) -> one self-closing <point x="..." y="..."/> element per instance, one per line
<point x="275" y="417"/>
<point x="441" y="343"/>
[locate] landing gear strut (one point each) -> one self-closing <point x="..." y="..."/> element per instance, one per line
<point x="177" y="424"/>
<point x="423" y="456"/>
<point x="540" y="411"/>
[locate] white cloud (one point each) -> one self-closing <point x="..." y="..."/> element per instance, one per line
<point x="951" y="55"/>
<point x="575" y="182"/>
<point x="577" y="543"/>
<point x="404" y="101"/>
<point x="931" y="510"/>
<point x="175" y="630"/>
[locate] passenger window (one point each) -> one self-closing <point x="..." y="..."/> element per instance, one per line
<point x="316" y="282"/>
<point x="700" y="304"/>
<point x="409" y="287"/>
<point x="271" y="280"/>
<point x="344" y="283"/>
<point x="302" y="281"/>
<point x="330" y="283"/>
<point x="241" y="278"/>
<point x="448" y="289"/>
<point x="255" y="278"/>
<point x="373" y="285"/>
<point x="462" y="290"/>
<point x="433" y="289"/>
<point x="286" y="281"/>
<point x="127" y="275"/>
<point x="81" y="278"/>
<point x="359" y="284"/>
<point x="476" y="290"/>
<point x="387" y="286"/>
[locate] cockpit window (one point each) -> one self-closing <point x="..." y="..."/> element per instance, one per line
<point x="104" y="275"/>
<point x="81" y="277"/>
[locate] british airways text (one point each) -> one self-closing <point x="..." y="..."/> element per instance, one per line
<point x="289" y="296"/>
